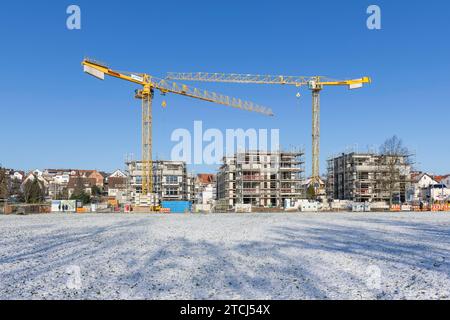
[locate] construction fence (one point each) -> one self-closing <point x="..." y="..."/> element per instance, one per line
<point x="25" y="209"/>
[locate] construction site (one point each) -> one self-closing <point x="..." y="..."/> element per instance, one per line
<point x="236" y="156"/>
<point x="362" y="177"/>
<point x="262" y="180"/>
<point x="246" y="179"/>
<point x="251" y="180"/>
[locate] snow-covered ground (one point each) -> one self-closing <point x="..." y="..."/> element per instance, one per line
<point x="226" y="256"/>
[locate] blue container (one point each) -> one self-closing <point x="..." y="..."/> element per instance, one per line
<point x="177" y="206"/>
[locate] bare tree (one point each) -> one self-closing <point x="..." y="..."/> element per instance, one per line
<point x="395" y="163"/>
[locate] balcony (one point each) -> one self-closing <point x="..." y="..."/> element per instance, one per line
<point x="250" y="191"/>
<point x="366" y="168"/>
<point x="252" y="178"/>
<point x="251" y="167"/>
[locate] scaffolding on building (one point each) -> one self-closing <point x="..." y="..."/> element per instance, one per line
<point x="261" y="179"/>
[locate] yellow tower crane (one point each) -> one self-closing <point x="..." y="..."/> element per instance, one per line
<point x="149" y="84"/>
<point x="315" y="84"/>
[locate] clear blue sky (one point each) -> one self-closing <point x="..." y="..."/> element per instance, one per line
<point x="53" y="115"/>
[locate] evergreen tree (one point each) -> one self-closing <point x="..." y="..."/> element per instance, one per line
<point x="34" y="191"/>
<point x="3" y="184"/>
<point x="311" y="192"/>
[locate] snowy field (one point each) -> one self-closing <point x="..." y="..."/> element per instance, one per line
<point x="226" y="256"/>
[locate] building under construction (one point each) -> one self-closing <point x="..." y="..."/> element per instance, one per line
<point x="261" y="179"/>
<point x="368" y="177"/>
<point x="171" y="182"/>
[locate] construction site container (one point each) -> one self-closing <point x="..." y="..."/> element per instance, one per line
<point x="309" y="206"/>
<point x="361" y="207"/>
<point x="177" y="206"/>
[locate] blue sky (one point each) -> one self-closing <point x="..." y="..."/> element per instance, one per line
<point x="53" y="115"/>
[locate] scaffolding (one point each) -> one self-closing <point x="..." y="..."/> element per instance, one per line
<point x="261" y="179"/>
<point x="368" y="177"/>
<point x="170" y="182"/>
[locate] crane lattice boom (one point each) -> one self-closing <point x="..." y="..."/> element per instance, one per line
<point x="166" y="86"/>
<point x="315" y="84"/>
<point x="149" y="85"/>
<point x="262" y="79"/>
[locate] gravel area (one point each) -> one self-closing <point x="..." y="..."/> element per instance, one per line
<point x="226" y="256"/>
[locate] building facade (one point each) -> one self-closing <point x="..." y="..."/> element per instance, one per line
<point x="205" y="189"/>
<point x="368" y="177"/>
<point x="260" y="179"/>
<point x="170" y="182"/>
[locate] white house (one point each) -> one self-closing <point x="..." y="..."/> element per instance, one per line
<point x="16" y="175"/>
<point x="207" y="195"/>
<point x="117" y="174"/>
<point x="438" y="192"/>
<point x="419" y="187"/>
<point x="61" y="179"/>
<point x="117" y="188"/>
<point x="37" y="172"/>
<point x="205" y="188"/>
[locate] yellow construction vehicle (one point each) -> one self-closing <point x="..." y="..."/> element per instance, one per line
<point x="315" y="84"/>
<point x="149" y="84"/>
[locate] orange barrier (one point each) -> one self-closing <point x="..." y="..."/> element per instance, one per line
<point x="164" y="210"/>
<point x="395" y="208"/>
<point x="439" y="207"/>
<point x="81" y="210"/>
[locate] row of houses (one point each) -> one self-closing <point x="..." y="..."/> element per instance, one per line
<point x="429" y="188"/>
<point x="171" y="183"/>
<point x="257" y="179"/>
<point x="59" y="182"/>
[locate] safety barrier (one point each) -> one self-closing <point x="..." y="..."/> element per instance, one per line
<point x="439" y="207"/>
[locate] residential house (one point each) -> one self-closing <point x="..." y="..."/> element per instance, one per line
<point x="16" y="175"/>
<point x="446" y="180"/>
<point x="117" y="174"/>
<point x="58" y="180"/>
<point x="81" y="183"/>
<point x="117" y="188"/>
<point x="205" y="188"/>
<point x="438" y="192"/>
<point x="419" y="187"/>
<point x="92" y="174"/>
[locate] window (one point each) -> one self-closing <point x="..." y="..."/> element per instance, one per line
<point x="172" y="180"/>
<point x="171" y="191"/>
